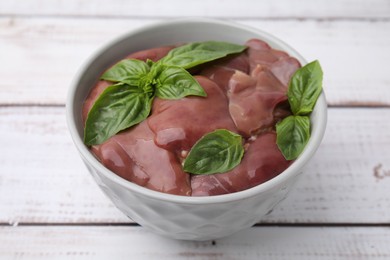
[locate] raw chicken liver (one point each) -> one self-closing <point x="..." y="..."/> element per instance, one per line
<point x="178" y="124"/>
<point x="262" y="161"/>
<point x="246" y="94"/>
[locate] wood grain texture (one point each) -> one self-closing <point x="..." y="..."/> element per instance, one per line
<point x="41" y="174"/>
<point x="227" y="8"/>
<point x="41" y="56"/>
<point x="341" y="183"/>
<point x="50" y="207"/>
<point x="42" y="178"/>
<point x="137" y="243"/>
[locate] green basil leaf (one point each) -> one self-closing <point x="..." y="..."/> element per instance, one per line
<point x="193" y="54"/>
<point x="128" y="71"/>
<point x="216" y="152"/>
<point x="118" y="107"/>
<point x="175" y="83"/>
<point x="293" y="133"/>
<point x="304" y="88"/>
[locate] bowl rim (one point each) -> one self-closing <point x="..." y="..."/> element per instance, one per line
<point x="291" y="171"/>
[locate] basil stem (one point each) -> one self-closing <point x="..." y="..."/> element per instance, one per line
<point x="216" y="152"/>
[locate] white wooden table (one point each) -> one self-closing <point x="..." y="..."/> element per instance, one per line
<point x="51" y="208"/>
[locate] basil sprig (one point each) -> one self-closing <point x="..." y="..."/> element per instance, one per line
<point x="216" y="152"/>
<point x="136" y="83"/>
<point x="293" y="132"/>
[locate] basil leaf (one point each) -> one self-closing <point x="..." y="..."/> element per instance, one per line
<point x="129" y="102"/>
<point x="216" y="152"/>
<point x="128" y="71"/>
<point x="118" y="107"/>
<point x="175" y="83"/>
<point x="304" y="88"/>
<point x="190" y="55"/>
<point x="293" y="133"/>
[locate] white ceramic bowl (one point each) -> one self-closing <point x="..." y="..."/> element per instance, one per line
<point x="180" y="217"/>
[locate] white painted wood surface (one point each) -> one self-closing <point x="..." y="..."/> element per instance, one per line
<point x="124" y="242"/>
<point x="44" y="180"/>
<point x="212" y="8"/>
<point x="50" y="208"/>
<point x="353" y="53"/>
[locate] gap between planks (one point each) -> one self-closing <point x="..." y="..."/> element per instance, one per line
<point x="158" y="18"/>
<point x="133" y="224"/>
<point x="177" y="9"/>
<point x="346" y="105"/>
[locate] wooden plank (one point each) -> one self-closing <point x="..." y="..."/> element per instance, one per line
<point x="226" y="8"/>
<point x="348" y="177"/>
<point x="43" y="55"/>
<point x="136" y="243"/>
<point x="42" y="179"/>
